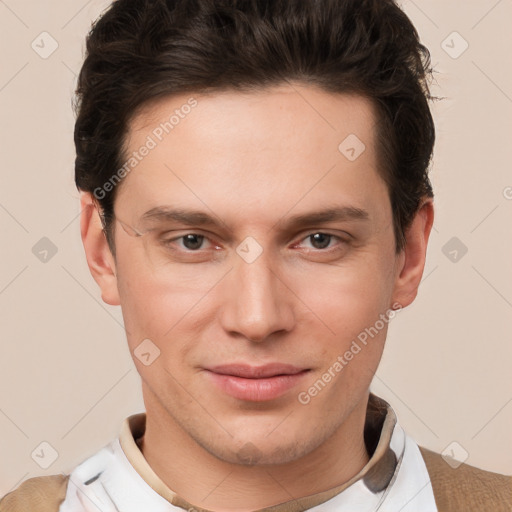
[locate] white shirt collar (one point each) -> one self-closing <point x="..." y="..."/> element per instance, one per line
<point x="118" y="478"/>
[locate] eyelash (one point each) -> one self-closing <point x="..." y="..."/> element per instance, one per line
<point x="167" y="242"/>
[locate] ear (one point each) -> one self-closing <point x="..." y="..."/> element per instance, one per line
<point x="412" y="258"/>
<point x="100" y="260"/>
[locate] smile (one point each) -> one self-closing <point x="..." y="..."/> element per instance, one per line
<point x="256" y="383"/>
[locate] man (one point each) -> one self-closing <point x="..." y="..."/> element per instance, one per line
<point x="255" y="195"/>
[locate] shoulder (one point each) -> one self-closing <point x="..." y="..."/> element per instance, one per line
<point x="43" y="493"/>
<point x="466" y="487"/>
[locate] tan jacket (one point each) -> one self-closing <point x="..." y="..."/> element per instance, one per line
<point x="465" y="489"/>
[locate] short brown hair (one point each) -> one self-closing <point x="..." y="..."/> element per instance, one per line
<point x="142" y="50"/>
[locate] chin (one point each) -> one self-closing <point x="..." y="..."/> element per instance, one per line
<point x="251" y="455"/>
<point x="262" y="451"/>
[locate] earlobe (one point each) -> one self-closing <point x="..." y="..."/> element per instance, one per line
<point x="412" y="258"/>
<point x="99" y="257"/>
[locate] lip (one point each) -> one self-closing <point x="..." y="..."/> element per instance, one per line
<point x="256" y="383"/>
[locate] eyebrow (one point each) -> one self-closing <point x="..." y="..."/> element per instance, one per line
<point x="334" y="214"/>
<point x="189" y="217"/>
<point x="200" y="218"/>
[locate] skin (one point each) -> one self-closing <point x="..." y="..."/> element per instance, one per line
<point x="253" y="161"/>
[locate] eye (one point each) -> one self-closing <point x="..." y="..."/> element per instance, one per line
<point x="321" y="241"/>
<point x="186" y="247"/>
<point x="189" y="241"/>
<point x="192" y="241"/>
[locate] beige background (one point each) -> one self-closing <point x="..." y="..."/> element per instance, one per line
<point x="66" y="377"/>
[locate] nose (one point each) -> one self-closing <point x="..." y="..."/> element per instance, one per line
<point x="257" y="302"/>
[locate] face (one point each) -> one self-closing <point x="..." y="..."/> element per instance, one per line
<point x="253" y="251"/>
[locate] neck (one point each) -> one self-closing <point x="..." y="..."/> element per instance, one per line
<point x="205" y="481"/>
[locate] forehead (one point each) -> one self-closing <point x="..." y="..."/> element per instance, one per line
<point x="255" y="117"/>
<point x="264" y="151"/>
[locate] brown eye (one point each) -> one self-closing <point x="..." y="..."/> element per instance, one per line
<point x="192" y="241"/>
<point x="320" y="240"/>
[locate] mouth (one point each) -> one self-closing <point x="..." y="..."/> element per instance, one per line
<point x="256" y="383"/>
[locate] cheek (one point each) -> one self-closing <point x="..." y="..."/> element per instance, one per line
<point x="151" y="308"/>
<point x="154" y="311"/>
<point x="353" y="304"/>
<point x="160" y="305"/>
<point x="348" y="297"/>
